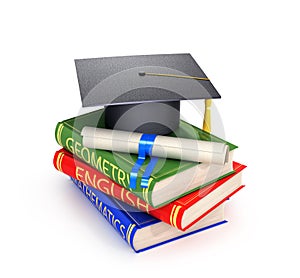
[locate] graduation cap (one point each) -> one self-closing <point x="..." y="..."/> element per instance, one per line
<point x="142" y="93"/>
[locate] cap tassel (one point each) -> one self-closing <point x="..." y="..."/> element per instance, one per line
<point x="207" y="116"/>
<point x="142" y="73"/>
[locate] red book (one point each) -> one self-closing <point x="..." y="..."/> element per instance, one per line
<point x="181" y="213"/>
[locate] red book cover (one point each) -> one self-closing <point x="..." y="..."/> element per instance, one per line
<point x="181" y="213"/>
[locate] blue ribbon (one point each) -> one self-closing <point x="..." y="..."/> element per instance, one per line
<point x="145" y="149"/>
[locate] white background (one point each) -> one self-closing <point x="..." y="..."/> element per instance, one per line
<point x="250" y="51"/>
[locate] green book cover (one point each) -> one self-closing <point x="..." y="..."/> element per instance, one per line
<point x="117" y="166"/>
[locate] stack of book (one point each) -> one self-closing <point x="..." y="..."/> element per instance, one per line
<point x="182" y="197"/>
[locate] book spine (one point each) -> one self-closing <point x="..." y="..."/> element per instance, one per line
<point x="90" y="176"/>
<point x="109" y="209"/>
<point x="110" y="164"/>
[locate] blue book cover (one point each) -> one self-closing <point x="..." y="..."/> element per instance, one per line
<point x="139" y="229"/>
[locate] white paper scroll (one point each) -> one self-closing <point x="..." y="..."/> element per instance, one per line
<point x="164" y="146"/>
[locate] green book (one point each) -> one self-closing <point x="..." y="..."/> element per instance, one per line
<point x="170" y="178"/>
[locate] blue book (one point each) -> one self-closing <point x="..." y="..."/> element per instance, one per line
<point x="139" y="229"/>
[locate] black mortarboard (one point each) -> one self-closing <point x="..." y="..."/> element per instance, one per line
<point x="142" y="93"/>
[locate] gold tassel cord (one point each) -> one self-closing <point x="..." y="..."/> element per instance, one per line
<point x="207" y="116"/>
<point x="173" y="75"/>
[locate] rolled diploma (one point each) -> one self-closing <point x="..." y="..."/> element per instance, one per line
<point x="164" y="146"/>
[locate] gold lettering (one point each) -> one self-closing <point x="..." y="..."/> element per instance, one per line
<point x="88" y="179"/>
<point x="115" y="223"/>
<point x="122" y="228"/>
<point x="99" y="206"/>
<point x="122" y="194"/>
<point x="85" y="154"/>
<point x="105" y="169"/>
<point x="142" y="205"/>
<point x="93" y="196"/>
<point x="128" y="194"/>
<point x="101" y="185"/>
<point x="114" y="167"/>
<point x="109" y="216"/>
<point x="97" y="202"/>
<point x="112" y="189"/>
<point x="128" y="180"/>
<point x="80" y="185"/>
<point x="88" y="193"/>
<point x="104" y="212"/>
<point x="121" y="177"/>
<point x="69" y="144"/>
<point x="78" y="175"/>
<point x="94" y="163"/>
<point x="77" y="149"/>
